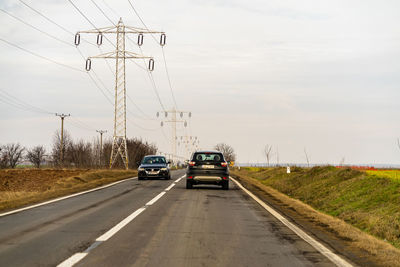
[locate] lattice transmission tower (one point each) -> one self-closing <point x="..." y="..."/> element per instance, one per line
<point x="173" y="120"/>
<point x="119" y="146"/>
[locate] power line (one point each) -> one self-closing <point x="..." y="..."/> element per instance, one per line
<point x="52" y="21"/>
<point x="169" y="79"/>
<point x="37" y="29"/>
<point x="40" y="56"/>
<point x="21" y="104"/>
<point x="104" y="14"/>
<point x="162" y="48"/>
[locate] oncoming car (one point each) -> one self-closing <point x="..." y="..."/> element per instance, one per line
<point x="207" y="167"/>
<point x="154" y="167"/>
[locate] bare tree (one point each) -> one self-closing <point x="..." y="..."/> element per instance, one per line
<point x="55" y="153"/>
<point x="36" y="155"/>
<point x="14" y="154"/>
<point x="268" y="153"/>
<point x="226" y="150"/>
<point x="307" y="157"/>
<point x="398" y="142"/>
<point x="3" y="158"/>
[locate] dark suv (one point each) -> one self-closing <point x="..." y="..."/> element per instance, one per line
<point x="154" y="167"/>
<point x="207" y="167"/>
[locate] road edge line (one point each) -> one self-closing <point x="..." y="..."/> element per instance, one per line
<point x="64" y="197"/>
<point x="336" y="259"/>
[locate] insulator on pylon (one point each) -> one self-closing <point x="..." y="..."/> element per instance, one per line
<point x="99" y="39"/>
<point x="181" y="114"/>
<point x="140" y="39"/>
<point x="163" y="39"/>
<point x="166" y="114"/>
<point x="88" y="64"/>
<point x="77" y="39"/>
<point x="158" y="114"/>
<point x="151" y="64"/>
<point x="162" y="124"/>
<point x="185" y="123"/>
<point x="190" y="114"/>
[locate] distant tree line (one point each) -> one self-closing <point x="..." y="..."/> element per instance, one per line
<point x="76" y="154"/>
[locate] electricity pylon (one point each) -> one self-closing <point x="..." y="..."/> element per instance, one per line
<point x="119" y="146"/>
<point x="190" y="143"/>
<point x="173" y="112"/>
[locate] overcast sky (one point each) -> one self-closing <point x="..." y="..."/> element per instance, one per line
<point x="316" y="74"/>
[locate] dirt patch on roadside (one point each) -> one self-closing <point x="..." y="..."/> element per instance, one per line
<point x="20" y="187"/>
<point x="359" y="247"/>
<point x="31" y="180"/>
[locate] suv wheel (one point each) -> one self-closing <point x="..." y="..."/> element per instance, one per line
<point x="189" y="185"/>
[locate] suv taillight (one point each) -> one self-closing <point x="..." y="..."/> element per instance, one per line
<point x="224" y="164"/>
<point x="192" y="163"/>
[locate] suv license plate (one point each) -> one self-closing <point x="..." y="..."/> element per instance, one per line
<point x="208" y="166"/>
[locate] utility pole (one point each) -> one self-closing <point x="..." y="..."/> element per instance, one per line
<point x="119" y="147"/>
<point x="173" y="112"/>
<point x="62" y="116"/>
<point x="101" y="132"/>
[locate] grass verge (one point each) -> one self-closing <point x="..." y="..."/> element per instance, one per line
<point x="354" y="204"/>
<point x="19" y="188"/>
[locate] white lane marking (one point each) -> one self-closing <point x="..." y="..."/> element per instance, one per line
<point x="154" y="200"/>
<point x="180" y="178"/>
<point x="64" y="197"/>
<point x="169" y="187"/>
<point x="336" y="259"/>
<point x="79" y="256"/>
<point x="73" y="260"/>
<point x="120" y="225"/>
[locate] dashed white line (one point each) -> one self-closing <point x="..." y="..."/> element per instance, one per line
<point x="120" y="225"/>
<point x="79" y="256"/>
<point x="65" y="197"/>
<point x="151" y="202"/>
<point x="336" y="259"/>
<point x="169" y="187"/>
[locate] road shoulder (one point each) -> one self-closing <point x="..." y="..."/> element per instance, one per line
<point x="339" y="236"/>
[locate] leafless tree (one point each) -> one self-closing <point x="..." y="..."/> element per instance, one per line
<point x="3" y="158"/>
<point x="398" y="142"/>
<point x="268" y="153"/>
<point x="14" y="154"/>
<point x="55" y="153"/>
<point x="36" y="155"/>
<point x="307" y="157"/>
<point x="226" y="150"/>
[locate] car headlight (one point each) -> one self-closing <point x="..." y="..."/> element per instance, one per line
<point x="163" y="169"/>
<point x="140" y="169"/>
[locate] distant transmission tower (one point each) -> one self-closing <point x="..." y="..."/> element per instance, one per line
<point x="119" y="146"/>
<point x="173" y="112"/>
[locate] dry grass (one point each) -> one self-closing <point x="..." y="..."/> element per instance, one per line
<point x="379" y="251"/>
<point x="27" y="186"/>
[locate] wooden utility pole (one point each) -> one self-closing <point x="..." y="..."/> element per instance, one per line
<point x="62" y="116"/>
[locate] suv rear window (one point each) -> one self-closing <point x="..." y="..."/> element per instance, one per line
<point x="214" y="157"/>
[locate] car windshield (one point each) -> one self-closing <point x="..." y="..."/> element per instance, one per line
<point x="216" y="157"/>
<point x="154" y="160"/>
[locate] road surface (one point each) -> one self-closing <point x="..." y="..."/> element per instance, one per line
<point x="140" y="223"/>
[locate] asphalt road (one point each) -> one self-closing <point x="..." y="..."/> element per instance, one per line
<point x="205" y="226"/>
